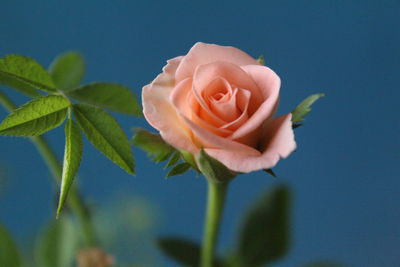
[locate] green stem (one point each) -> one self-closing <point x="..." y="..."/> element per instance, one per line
<point x="215" y="206"/>
<point x="75" y="201"/>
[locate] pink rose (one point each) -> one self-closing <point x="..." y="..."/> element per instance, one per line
<point x="222" y="100"/>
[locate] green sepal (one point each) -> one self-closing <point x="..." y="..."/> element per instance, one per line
<point x="179" y="169"/>
<point x="213" y="169"/>
<point x="270" y="172"/>
<point x="36" y="117"/>
<point x="189" y="158"/>
<point x="175" y="157"/>
<point x="72" y="160"/>
<point x="299" y="113"/>
<point x="25" y="74"/>
<point x="152" y="144"/>
<point x="67" y="70"/>
<point x="104" y="132"/>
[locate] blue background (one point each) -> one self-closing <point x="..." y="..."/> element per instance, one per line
<point x="345" y="172"/>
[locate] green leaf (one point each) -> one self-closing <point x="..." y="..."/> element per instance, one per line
<point x="183" y="251"/>
<point x="67" y="70"/>
<point x="179" y="169"/>
<point x="9" y="254"/>
<point x="58" y="245"/>
<point x="24" y="74"/>
<point x="213" y="169"/>
<point x="264" y="236"/>
<point x="111" y="96"/>
<point x="270" y="172"/>
<point x="152" y="144"/>
<point x="173" y="160"/>
<point x="104" y="132"/>
<point x="72" y="160"/>
<point x="36" y="117"/>
<point x="304" y="108"/>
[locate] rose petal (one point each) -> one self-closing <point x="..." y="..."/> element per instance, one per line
<point x="202" y="53"/>
<point x="185" y="104"/>
<point x="210" y="140"/>
<point x="242" y="99"/>
<point x="167" y="77"/>
<point x="225" y="107"/>
<point x="268" y="83"/>
<point x="233" y="74"/>
<point x="279" y="144"/>
<point x="161" y="114"/>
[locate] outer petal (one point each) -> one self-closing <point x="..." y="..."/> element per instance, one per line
<point x="279" y="144"/>
<point x="202" y="53"/>
<point x="269" y="84"/>
<point x="167" y="77"/>
<point x="207" y="139"/>
<point x="161" y="114"/>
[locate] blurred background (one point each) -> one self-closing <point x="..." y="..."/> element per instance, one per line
<point x="344" y="174"/>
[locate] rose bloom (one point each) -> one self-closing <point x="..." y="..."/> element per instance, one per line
<point x="222" y="100"/>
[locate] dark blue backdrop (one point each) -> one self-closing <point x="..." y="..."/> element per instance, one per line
<point x="345" y="171"/>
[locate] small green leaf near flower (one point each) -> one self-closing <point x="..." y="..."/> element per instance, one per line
<point x="299" y="113"/>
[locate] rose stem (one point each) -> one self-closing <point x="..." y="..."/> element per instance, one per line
<point x="74" y="199"/>
<point x="215" y="206"/>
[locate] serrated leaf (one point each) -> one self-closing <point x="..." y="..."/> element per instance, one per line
<point x="183" y="251"/>
<point x="24" y="74"/>
<point x="67" y="70"/>
<point x="173" y="160"/>
<point x="111" y="96"/>
<point x="9" y="254"/>
<point x="270" y="172"/>
<point x="58" y="245"/>
<point x="152" y="144"/>
<point x="304" y="108"/>
<point x="213" y="169"/>
<point x="104" y="132"/>
<point x="179" y="169"/>
<point x="264" y="236"/>
<point x="36" y="117"/>
<point x="72" y="160"/>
